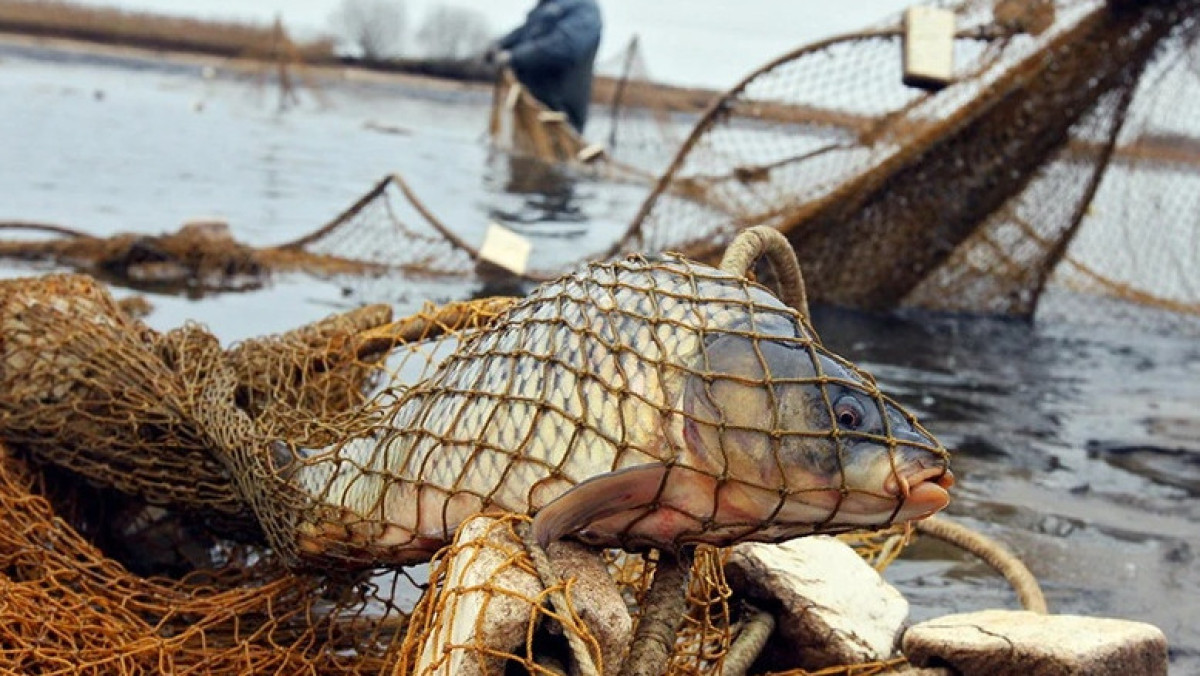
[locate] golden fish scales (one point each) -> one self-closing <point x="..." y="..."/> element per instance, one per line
<point x="635" y="403"/>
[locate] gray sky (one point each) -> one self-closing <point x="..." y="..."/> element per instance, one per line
<point x="698" y="42"/>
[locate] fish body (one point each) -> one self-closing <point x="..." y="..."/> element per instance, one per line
<point x="638" y="403"/>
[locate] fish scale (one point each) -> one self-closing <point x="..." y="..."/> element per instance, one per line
<point x="583" y="378"/>
<point x="579" y="370"/>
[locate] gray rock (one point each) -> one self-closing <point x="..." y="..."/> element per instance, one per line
<point x="832" y="608"/>
<point x="1018" y="642"/>
<point x="488" y="610"/>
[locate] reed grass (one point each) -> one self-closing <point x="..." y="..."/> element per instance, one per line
<point x="54" y="18"/>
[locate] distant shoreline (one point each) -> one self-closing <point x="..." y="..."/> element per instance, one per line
<point x="1167" y="149"/>
<point x="63" y="25"/>
<point x="202" y="59"/>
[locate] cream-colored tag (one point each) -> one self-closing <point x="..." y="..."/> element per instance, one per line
<point x="928" y="47"/>
<point x="505" y="248"/>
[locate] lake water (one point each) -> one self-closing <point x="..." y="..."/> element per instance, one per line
<point x="1078" y="447"/>
<point x="678" y="36"/>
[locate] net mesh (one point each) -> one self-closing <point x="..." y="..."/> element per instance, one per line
<point x="1059" y="165"/>
<point x="983" y="185"/>
<point x="1020" y="188"/>
<point x="386" y="235"/>
<point x="261" y="498"/>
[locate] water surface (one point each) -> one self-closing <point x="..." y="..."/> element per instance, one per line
<point x="1079" y="447"/>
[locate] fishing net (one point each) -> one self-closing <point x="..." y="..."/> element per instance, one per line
<point x="201" y="255"/>
<point x="1058" y="165"/>
<point x="85" y="389"/>
<point x="632" y="131"/>
<point x="174" y="505"/>
<point x="387" y="235"/>
<point x="522" y="124"/>
<point x="1028" y="178"/>
<point x="616" y="370"/>
<point x="1038" y="163"/>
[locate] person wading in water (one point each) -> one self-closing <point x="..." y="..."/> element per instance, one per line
<point x="553" y="54"/>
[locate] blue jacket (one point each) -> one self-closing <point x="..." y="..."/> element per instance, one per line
<point x="553" y="53"/>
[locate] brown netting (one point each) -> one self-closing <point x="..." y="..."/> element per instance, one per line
<point x="201" y="254"/>
<point x="1061" y="157"/>
<point x="68" y="608"/>
<point x="968" y="198"/>
<point x="388" y="229"/>
<point x="1058" y="165"/>
<point x="387" y="234"/>
<point x="522" y="124"/>
<point x="269" y="491"/>
<point x="84" y="389"/>
<point x="631" y="133"/>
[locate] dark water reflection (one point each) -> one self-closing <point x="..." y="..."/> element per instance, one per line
<point x="1077" y="446"/>
<point x="547" y="194"/>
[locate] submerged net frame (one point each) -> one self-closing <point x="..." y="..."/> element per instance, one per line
<point x="387" y="234"/>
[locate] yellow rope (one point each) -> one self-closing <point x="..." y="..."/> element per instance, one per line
<point x="763" y="241"/>
<point x="992" y="552"/>
<point x="553" y="584"/>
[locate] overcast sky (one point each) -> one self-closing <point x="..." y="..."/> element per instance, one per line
<point x="699" y="42"/>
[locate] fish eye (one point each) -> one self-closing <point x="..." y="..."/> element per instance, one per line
<point x="849" y="412"/>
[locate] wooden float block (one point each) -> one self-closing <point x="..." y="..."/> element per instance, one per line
<point x="1022" y="643"/>
<point x="928" y="47"/>
<point x="505" y="248"/>
<point x="590" y="152"/>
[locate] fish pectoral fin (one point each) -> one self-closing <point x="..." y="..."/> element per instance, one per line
<point x="598" y="497"/>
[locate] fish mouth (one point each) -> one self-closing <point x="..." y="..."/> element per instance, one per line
<point x="920" y="492"/>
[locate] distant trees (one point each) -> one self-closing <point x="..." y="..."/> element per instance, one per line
<point x="375" y="28"/>
<point x="452" y="32"/>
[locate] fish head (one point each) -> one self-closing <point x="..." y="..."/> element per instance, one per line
<point x="768" y="436"/>
<point x="801" y="441"/>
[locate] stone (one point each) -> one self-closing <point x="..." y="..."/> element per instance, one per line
<point x="487" y="607"/>
<point x="1019" y="642"/>
<point x="831" y="607"/>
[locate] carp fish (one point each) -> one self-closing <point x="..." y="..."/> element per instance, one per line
<point x="636" y="403"/>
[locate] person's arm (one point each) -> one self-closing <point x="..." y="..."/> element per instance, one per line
<point x="572" y="36"/>
<point x="515" y="36"/>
